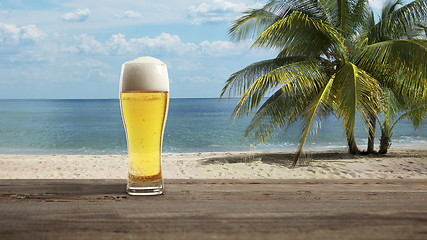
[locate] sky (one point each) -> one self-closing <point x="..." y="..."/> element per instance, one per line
<point x="74" y="49"/>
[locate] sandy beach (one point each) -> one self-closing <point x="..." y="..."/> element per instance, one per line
<point x="399" y="163"/>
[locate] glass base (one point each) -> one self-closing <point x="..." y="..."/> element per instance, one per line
<point x="148" y="188"/>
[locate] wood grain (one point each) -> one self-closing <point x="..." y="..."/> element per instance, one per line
<point x="215" y="209"/>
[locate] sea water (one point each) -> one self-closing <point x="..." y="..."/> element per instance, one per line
<point x="193" y="125"/>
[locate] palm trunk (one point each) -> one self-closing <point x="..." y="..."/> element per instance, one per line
<point x="352" y="146"/>
<point x="385" y="141"/>
<point x="371" y="137"/>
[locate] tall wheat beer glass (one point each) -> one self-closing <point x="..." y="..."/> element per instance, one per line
<point x="144" y="101"/>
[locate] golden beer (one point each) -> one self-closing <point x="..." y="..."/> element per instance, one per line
<point x="144" y="115"/>
<point x="144" y="101"/>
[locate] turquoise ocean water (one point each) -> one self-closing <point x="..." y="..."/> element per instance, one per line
<point x="193" y="125"/>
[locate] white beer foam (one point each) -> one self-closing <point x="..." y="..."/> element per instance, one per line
<point x="144" y="74"/>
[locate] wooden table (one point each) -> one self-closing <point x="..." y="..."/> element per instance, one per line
<point x="215" y="209"/>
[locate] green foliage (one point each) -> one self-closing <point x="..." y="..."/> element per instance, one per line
<point x="333" y="58"/>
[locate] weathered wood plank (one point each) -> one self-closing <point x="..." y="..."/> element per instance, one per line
<point x="230" y="190"/>
<point x="215" y="209"/>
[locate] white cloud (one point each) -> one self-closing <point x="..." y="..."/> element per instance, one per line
<point x="224" y="48"/>
<point x="196" y="79"/>
<point x="163" y="45"/>
<point x="70" y="49"/>
<point x="92" y="63"/>
<point x="117" y="44"/>
<point x="12" y="35"/>
<point x="31" y="33"/>
<point x="9" y="34"/>
<point x="23" y="45"/>
<point x="129" y="14"/>
<point x="88" y="44"/>
<point x="98" y="75"/>
<point x="27" y="44"/>
<point x="217" y="11"/>
<point x="189" y="66"/>
<point x="80" y="15"/>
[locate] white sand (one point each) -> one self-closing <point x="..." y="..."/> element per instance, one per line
<point x="331" y="164"/>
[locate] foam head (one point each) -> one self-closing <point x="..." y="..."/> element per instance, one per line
<point x="144" y="74"/>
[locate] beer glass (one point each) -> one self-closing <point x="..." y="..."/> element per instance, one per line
<point x="144" y="102"/>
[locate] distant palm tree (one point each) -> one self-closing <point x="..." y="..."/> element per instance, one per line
<point x="321" y="67"/>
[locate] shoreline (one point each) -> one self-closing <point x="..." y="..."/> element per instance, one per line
<point x="399" y="163"/>
<point x="43" y="152"/>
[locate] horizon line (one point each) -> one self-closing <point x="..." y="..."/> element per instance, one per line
<point x="47" y="99"/>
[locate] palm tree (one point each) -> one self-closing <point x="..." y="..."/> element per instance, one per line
<point x="392" y="26"/>
<point x="395" y="108"/>
<point x="316" y="72"/>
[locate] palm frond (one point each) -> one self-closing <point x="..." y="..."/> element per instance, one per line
<point x="299" y="76"/>
<point x="391" y="104"/>
<point x="301" y="33"/>
<point x="252" y="24"/>
<point x="255" y="21"/>
<point x="357" y="95"/>
<point x="240" y="81"/>
<point x="347" y="16"/>
<point x="318" y="107"/>
<point x="279" y="111"/>
<point x="390" y="7"/>
<point x="361" y="14"/>
<point x="272" y="114"/>
<point x="283" y="8"/>
<point x="423" y="27"/>
<point x="399" y="21"/>
<point x="416" y="114"/>
<point x="401" y="59"/>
